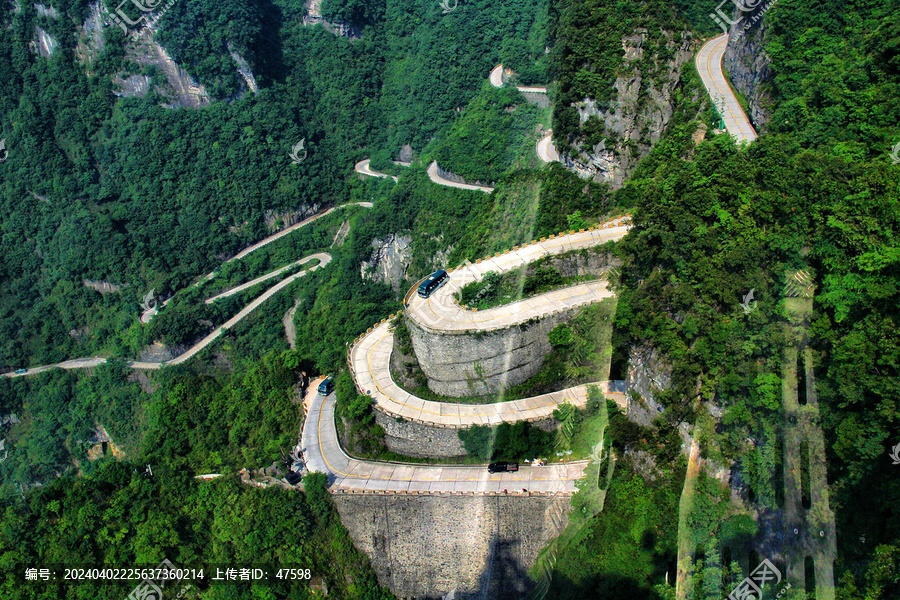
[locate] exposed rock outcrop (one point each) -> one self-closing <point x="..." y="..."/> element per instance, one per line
<point x="104" y="287"/>
<point x="749" y="68"/>
<point x="243" y="68"/>
<point x="341" y="234"/>
<point x="648" y="373"/>
<point x="638" y="114"/>
<point x="389" y="261"/>
<point x="46" y="11"/>
<point x="278" y="220"/>
<point x="90" y="35"/>
<point x="181" y="89"/>
<point x="133" y="86"/>
<point x="314" y="16"/>
<point x="406" y="154"/>
<point x="44" y="43"/>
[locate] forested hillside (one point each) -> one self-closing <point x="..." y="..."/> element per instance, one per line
<point x="125" y="191"/>
<point x="818" y="193"/>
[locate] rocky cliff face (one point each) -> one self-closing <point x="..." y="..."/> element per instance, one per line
<point x="278" y="220"/>
<point x="636" y="118"/>
<point x="748" y="68"/>
<point x="647" y="373"/>
<point x="104" y="287"/>
<point x="181" y="89"/>
<point x="314" y="16"/>
<point x="389" y="261"/>
<point x="90" y="36"/>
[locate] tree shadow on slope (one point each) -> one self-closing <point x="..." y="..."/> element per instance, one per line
<point x="505" y="578"/>
<point x="602" y="585"/>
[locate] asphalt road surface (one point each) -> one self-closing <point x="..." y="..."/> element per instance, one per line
<point x="322" y="452"/>
<point x="709" y="65"/>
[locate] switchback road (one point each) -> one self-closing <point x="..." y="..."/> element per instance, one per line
<point x="546" y="150"/>
<point x="85" y="363"/>
<point x="322" y="257"/>
<point x="323" y="453"/>
<point x="362" y="167"/>
<point x="370" y="355"/>
<point x="496" y="78"/>
<point x="435" y="176"/>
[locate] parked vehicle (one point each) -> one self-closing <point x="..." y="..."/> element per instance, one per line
<point x="503" y="467"/>
<point x="20" y="371"/>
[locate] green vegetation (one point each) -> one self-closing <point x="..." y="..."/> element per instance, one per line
<point x="123" y="190"/>
<point x="485" y="141"/>
<point x="195" y="421"/>
<point x="120" y="515"/>
<point x="126" y="191"/>
<point x="202" y="35"/>
<point x="620" y="538"/>
<point x="507" y="441"/>
<point x="536" y="278"/>
<point x="587" y="55"/>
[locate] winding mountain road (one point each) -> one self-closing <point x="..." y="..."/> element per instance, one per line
<point x="150" y="313"/>
<point x="370" y="355"/>
<point x="322" y="451"/>
<point x="324" y="259"/>
<point x="546" y="150"/>
<point x="288" y="231"/>
<point x="362" y="167"/>
<point x="435" y="176"/>
<point x="496" y="79"/>
<point x="709" y="65"/>
<point x="369" y="359"/>
<point x="85" y="363"/>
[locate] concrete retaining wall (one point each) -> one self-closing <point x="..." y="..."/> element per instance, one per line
<point x="427" y="546"/>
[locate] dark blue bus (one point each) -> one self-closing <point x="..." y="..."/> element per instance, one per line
<point x="327" y="386"/>
<point x="434" y="281"/>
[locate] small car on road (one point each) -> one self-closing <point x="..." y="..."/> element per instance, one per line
<point x="503" y="467"/>
<point x="20" y="371"/>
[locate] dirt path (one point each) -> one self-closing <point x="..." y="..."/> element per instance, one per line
<point x="290" y="330"/>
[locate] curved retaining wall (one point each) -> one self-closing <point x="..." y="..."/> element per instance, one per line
<point x="475" y="546"/>
<point x="465" y="363"/>
<point x="476" y="363"/>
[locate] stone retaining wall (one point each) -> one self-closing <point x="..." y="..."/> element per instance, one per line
<point x="411" y="438"/>
<point x="417" y="439"/>
<point x="427" y="546"/>
<point x="467" y="363"/>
